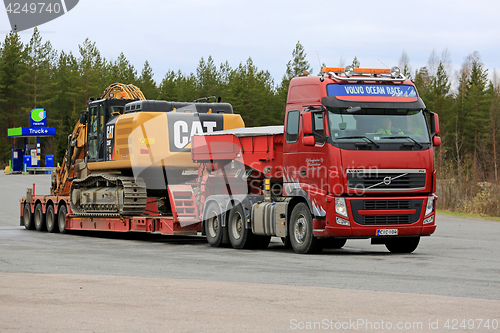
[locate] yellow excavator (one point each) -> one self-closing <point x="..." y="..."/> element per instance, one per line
<point x="125" y="148"/>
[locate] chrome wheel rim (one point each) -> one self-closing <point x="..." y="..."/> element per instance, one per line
<point x="237" y="225"/>
<point x="300" y="230"/>
<point x="213" y="225"/>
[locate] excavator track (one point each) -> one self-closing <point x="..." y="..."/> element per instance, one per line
<point x="103" y="195"/>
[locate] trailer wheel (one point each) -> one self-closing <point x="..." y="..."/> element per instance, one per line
<point x="213" y="225"/>
<point x="50" y="219"/>
<point x="39" y="217"/>
<point x="239" y="236"/>
<point x="402" y="245"/>
<point x="301" y="230"/>
<point x="27" y="216"/>
<point x="61" y="219"/>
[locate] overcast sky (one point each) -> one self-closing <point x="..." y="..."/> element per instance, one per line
<point x="176" y="34"/>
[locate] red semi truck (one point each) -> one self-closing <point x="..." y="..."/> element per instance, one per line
<point x="354" y="160"/>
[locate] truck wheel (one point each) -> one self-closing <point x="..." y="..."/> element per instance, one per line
<point x="50" y="219"/>
<point x="61" y="219"/>
<point x="333" y="243"/>
<point x="39" y="217"/>
<point x="213" y="225"/>
<point x="239" y="236"/>
<point x="27" y="216"/>
<point x="301" y="230"/>
<point x="402" y="245"/>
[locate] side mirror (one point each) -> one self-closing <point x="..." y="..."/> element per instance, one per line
<point x="436" y="140"/>
<point x="436" y="123"/>
<point x="83" y="118"/>
<point x="307" y="127"/>
<point x="434" y="118"/>
<point x="309" y="140"/>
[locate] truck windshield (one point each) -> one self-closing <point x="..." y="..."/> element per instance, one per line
<point x="378" y="125"/>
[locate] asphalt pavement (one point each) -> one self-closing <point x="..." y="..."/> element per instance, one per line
<point x="116" y="282"/>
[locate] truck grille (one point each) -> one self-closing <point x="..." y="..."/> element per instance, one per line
<point x="385" y="205"/>
<point x="384" y="180"/>
<point x="386" y="219"/>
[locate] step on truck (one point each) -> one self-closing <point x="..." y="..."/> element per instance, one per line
<point x="354" y="160"/>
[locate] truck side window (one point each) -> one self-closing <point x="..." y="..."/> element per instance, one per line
<point x="318" y="125"/>
<point x="292" y="126"/>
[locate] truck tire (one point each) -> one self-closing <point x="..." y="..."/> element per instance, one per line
<point x="301" y="231"/>
<point x="39" y="217"/>
<point x="239" y="236"/>
<point x="50" y="219"/>
<point x="402" y="245"/>
<point x="213" y="225"/>
<point x="28" y="216"/>
<point x="61" y="219"/>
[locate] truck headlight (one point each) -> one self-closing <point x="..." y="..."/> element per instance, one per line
<point x="340" y="207"/>
<point x="430" y="205"/>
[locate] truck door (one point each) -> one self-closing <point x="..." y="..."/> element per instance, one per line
<point x="313" y="154"/>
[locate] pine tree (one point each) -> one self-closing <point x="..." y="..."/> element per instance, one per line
<point x="252" y="95"/>
<point x="68" y="102"/>
<point x="295" y="67"/>
<point x="404" y="65"/>
<point x="146" y="82"/>
<point x="169" y="89"/>
<point x="356" y="63"/>
<point x="123" y="71"/>
<point x="12" y="68"/>
<point x="423" y="82"/>
<point x="40" y="58"/>
<point x="477" y="106"/>
<point x="91" y="66"/>
<point x="207" y="80"/>
<point x="494" y="92"/>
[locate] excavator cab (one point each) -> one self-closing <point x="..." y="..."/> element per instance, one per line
<point x="98" y="114"/>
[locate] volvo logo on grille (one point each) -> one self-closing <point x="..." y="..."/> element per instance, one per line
<point x="387" y="181"/>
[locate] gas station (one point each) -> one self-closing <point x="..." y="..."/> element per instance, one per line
<point x="28" y="159"/>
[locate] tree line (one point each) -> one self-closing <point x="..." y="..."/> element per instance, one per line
<point x="34" y="75"/>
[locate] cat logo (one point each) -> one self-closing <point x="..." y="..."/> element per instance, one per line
<point x="109" y="131"/>
<point x="183" y="126"/>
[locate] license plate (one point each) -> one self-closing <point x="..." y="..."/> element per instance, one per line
<point x="387" y="232"/>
